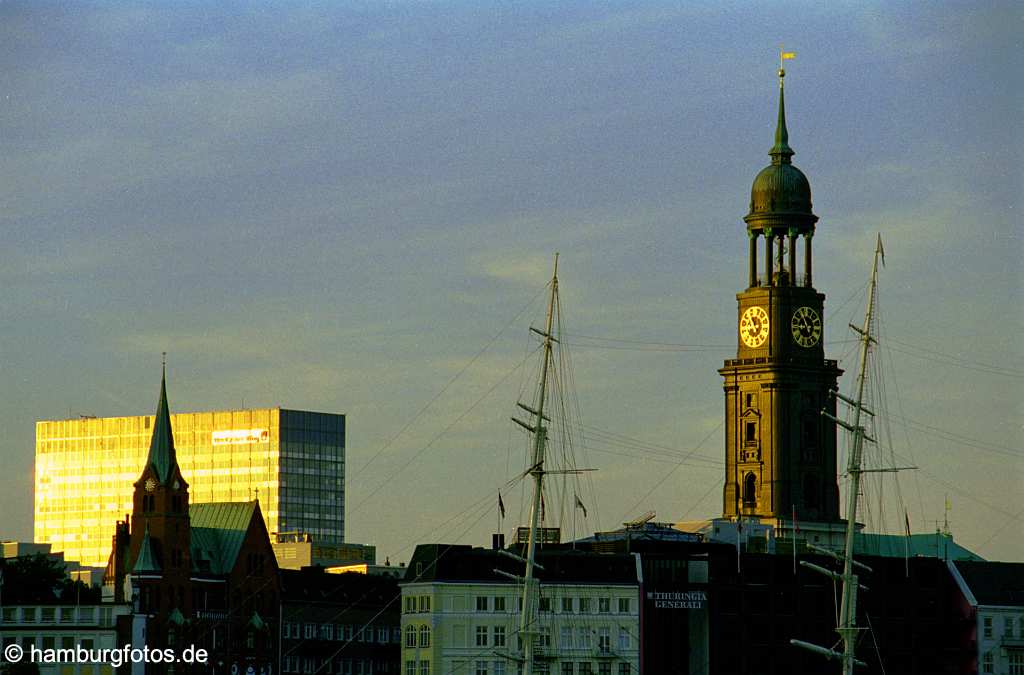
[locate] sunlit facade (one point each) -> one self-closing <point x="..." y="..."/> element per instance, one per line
<point x="293" y="461"/>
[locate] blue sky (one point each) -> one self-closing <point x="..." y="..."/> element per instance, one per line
<point x="337" y="205"/>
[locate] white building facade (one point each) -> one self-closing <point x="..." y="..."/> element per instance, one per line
<point x="461" y="618"/>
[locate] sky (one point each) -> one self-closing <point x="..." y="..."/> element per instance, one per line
<point x="354" y="207"/>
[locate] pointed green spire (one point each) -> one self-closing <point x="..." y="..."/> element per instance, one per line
<point x="781" y="152"/>
<point x="146" y="562"/>
<point x="161" y="447"/>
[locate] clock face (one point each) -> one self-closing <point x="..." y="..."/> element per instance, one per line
<point x="806" y="327"/>
<point x="150" y="484"/>
<point x="754" y="327"/>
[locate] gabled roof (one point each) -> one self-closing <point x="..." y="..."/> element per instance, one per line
<point x="994" y="583"/>
<point x="218" y="530"/>
<point x="146" y="563"/>
<point x="162" y="456"/>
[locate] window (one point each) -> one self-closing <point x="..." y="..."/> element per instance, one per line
<point x="499" y="603"/>
<point x="566" y="667"/>
<point x="424" y="636"/>
<point x="584" y="605"/>
<point x="481" y="668"/>
<point x="586" y="668"/>
<point x="327" y="631"/>
<point x="750" y="433"/>
<point x="424" y="667"/>
<point x="604" y="605"/>
<point x="604" y="668"/>
<point x="749" y="400"/>
<point x="382" y="635"/>
<point x="410" y="636"/>
<point x="499" y="636"/>
<point x="410" y="605"/>
<point x="545" y="604"/>
<point x="481" y="636"/>
<point x="424" y="603"/>
<point x="1007" y="627"/>
<point x="1016" y="662"/>
<point x="310" y="631"/>
<point x="604" y="640"/>
<point x="481" y="604"/>
<point x="567" y="609"/>
<point x="987" y="626"/>
<point x="49" y="613"/>
<point x="749" y="490"/>
<point x="544" y="637"/>
<point x="583" y="638"/>
<point x="987" y="663"/>
<point x="410" y="668"/>
<point x="499" y="668"/>
<point x="623" y="605"/>
<point x="623" y="638"/>
<point x="624" y="668"/>
<point x="566" y="642"/>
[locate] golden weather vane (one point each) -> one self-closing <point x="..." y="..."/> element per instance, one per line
<point x="783" y="57"/>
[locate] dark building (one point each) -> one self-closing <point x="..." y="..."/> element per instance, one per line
<point x="339" y="624"/>
<point x="204" y="574"/>
<point x="780" y="453"/>
<point x="706" y="610"/>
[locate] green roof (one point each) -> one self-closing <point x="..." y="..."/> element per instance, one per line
<point x="161" y="448"/>
<point x="218" y="530"/>
<point x="936" y="545"/>
<point x="146" y="563"/>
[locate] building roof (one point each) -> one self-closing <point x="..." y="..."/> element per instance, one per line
<point x="313" y="586"/>
<point x="993" y="583"/>
<point x="218" y="530"/>
<point x="935" y="545"/>
<point x="561" y="564"/>
<point x="161" y="447"/>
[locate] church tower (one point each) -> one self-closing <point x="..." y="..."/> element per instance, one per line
<point x="159" y="558"/>
<point x="780" y="453"/>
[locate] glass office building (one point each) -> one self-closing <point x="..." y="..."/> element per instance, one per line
<point x="293" y="461"/>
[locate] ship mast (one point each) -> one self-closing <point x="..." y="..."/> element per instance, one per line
<point x="847" y="628"/>
<point x="527" y="617"/>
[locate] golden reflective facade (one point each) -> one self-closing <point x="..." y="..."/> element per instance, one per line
<point x="292" y="460"/>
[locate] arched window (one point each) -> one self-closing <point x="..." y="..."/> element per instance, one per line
<point x="410" y="636"/>
<point x="810" y="491"/>
<point x="749" y="490"/>
<point x="424" y="636"/>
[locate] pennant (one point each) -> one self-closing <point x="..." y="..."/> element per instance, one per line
<point x="579" y="505"/>
<point x="786" y="56"/>
<point x="906" y="519"/>
<point x="501" y="505"/>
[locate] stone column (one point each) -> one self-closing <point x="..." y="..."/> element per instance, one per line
<point x="792" y="256"/>
<point x="768" y="256"/>
<point x="753" y="257"/>
<point x="807" y="259"/>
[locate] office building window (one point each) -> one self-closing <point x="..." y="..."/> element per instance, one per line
<point x="567" y="606"/>
<point x="499" y="603"/>
<point x="584" y="605"/>
<point x="604" y="605"/>
<point x="623" y="605"/>
<point x="499" y="636"/>
<point x="481" y="636"/>
<point x="481" y="603"/>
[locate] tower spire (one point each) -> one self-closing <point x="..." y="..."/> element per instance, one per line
<point x="781" y="152"/>
<point x="161" y="448"/>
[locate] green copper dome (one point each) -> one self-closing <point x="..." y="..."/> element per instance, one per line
<point x="781" y="194"/>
